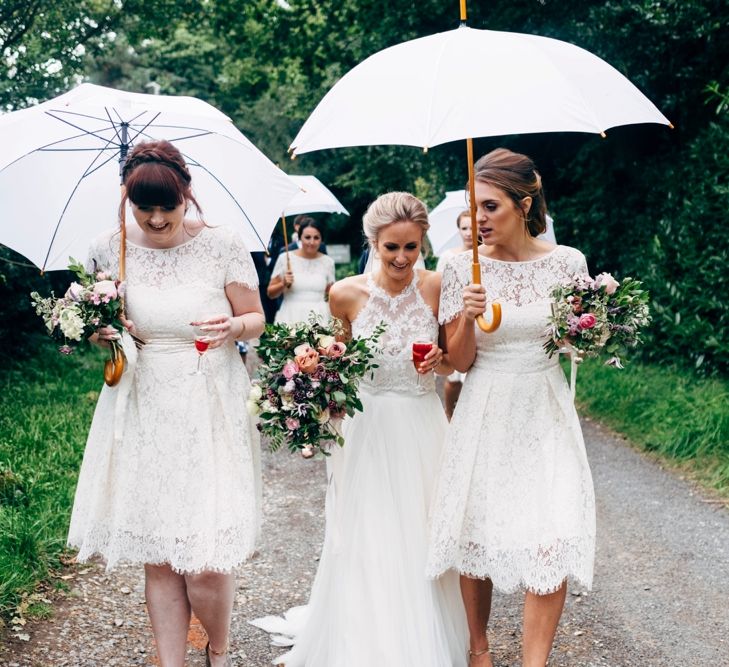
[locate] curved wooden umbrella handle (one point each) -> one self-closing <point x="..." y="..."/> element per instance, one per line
<point x="483" y="324"/>
<point x="490" y="327"/>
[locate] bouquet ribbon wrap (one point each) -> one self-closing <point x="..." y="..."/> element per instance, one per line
<point x="124" y="386"/>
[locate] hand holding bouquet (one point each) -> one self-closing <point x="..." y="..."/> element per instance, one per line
<point x="307" y="382"/>
<point x="91" y="302"/>
<point x="600" y="316"/>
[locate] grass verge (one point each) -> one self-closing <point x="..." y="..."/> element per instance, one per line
<point x="663" y="410"/>
<point x="47" y="405"/>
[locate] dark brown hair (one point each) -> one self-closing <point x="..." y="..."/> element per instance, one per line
<point x="155" y="174"/>
<point x="518" y="177"/>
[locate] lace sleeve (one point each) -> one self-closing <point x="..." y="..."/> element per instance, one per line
<point x="279" y="268"/>
<point x="580" y="263"/>
<point x="330" y="270"/>
<point x="240" y="268"/>
<point x="102" y="256"/>
<point x="451" y="291"/>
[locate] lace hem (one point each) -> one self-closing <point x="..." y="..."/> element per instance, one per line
<point x="540" y="572"/>
<point x="229" y="549"/>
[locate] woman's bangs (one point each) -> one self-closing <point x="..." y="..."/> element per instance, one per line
<point x="153" y="184"/>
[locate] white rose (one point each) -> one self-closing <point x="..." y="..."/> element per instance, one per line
<point x="256" y="392"/>
<point x="253" y="409"/>
<point x="75" y="292"/>
<point x="325" y="341"/>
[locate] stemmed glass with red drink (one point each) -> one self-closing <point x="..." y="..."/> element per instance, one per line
<point x="202" y="342"/>
<point x="420" y="349"/>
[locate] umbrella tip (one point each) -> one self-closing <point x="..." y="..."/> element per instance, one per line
<point x="293" y="156"/>
<point x="603" y="135"/>
<point x="671" y="125"/>
<point x="425" y="149"/>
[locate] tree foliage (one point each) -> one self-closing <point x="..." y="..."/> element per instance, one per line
<point x="646" y="201"/>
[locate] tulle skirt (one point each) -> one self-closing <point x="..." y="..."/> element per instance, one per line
<point x="371" y="603"/>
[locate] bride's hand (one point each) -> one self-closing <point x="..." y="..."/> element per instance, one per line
<point x="431" y="361"/>
<point x="474" y="301"/>
<point x="219" y="329"/>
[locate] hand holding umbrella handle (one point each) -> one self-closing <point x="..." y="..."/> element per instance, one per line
<point x="483" y="324"/>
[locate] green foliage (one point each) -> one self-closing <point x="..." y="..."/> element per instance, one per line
<point x="632" y="202"/>
<point x="44" y="417"/>
<point x="663" y="410"/>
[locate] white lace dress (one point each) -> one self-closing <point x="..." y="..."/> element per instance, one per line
<point x="371" y="603"/>
<point x="308" y="292"/>
<point x="170" y="472"/>
<point x="515" y="500"/>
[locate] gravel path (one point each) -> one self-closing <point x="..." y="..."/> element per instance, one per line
<point x="660" y="597"/>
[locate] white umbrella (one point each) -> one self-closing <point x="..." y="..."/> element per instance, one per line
<point x="313" y="197"/>
<point x="60" y="162"/>
<point x="473" y="83"/>
<point x="468" y="83"/>
<point x="443" y="233"/>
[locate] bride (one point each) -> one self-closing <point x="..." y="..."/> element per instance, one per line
<point x="371" y="603"/>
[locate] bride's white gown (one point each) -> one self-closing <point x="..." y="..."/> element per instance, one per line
<point x="371" y="604"/>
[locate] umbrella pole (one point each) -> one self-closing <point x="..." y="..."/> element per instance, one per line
<point x="123" y="236"/>
<point x="286" y="243"/>
<point x="487" y="327"/>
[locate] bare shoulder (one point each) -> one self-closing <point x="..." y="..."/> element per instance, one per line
<point x="348" y="288"/>
<point x="430" y="283"/>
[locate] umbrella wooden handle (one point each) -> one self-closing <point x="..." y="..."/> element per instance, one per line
<point x="483" y="324"/>
<point x="490" y="327"/>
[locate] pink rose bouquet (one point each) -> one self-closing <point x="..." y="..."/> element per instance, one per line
<point x="594" y="317"/>
<point x="307" y="382"/>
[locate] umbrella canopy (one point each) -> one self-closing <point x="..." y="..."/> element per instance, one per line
<point x="60" y="165"/>
<point x="473" y="83"/>
<point x="443" y="233"/>
<point x="313" y="197"/>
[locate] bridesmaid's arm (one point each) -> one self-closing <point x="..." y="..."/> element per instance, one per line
<point x="461" y="332"/>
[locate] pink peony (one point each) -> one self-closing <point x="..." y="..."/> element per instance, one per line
<point x="292" y="423"/>
<point x="307" y="451"/>
<point x="587" y="321"/>
<point x="102" y="275"/>
<point x="105" y="290"/>
<point x="608" y="282"/>
<point x="290" y="369"/>
<point x="336" y="350"/>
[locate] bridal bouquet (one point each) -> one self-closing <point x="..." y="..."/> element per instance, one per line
<point x="92" y="301"/>
<point x="597" y="316"/>
<point x="306" y="382"/>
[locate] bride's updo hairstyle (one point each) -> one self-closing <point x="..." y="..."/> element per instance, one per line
<point x="518" y="177"/>
<point x="155" y="174"/>
<point x="393" y="207"/>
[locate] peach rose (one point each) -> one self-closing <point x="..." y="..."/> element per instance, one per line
<point x="307" y="361"/>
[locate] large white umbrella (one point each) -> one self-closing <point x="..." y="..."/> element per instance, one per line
<point x="468" y="83"/>
<point x="473" y="83"/>
<point x="60" y="165"/>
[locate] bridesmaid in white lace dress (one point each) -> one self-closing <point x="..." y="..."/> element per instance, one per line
<point x="515" y="504"/>
<point x="170" y="472"/>
<point x="306" y="283"/>
<point x="371" y="603"/>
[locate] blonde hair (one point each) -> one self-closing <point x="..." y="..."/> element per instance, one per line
<point x="393" y="207"/>
<point x="518" y="177"/>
